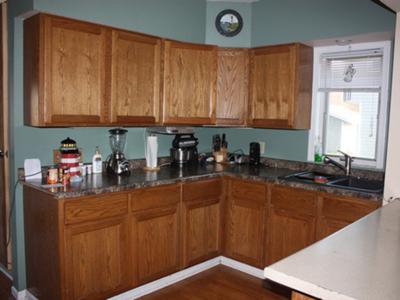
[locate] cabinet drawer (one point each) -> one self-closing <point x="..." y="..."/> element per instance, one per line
<point x="95" y="208"/>
<point x="202" y="190"/>
<point x="247" y="190"/>
<point x="346" y="209"/>
<point x="155" y="197"/>
<point x="299" y="200"/>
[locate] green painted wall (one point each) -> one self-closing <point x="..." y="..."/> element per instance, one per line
<point x="188" y="20"/>
<point x="177" y="19"/>
<point x="284" y="21"/>
<point x="243" y="39"/>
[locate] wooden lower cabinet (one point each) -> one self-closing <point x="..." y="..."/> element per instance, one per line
<point x="155" y="236"/>
<point x="98" y="246"/>
<point x="97" y="259"/>
<point x="292" y="222"/>
<point x="201" y="221"/>
<point x="245" y="222"/>
<point x="338" y="212"/>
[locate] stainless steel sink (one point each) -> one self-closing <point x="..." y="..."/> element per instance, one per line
<point x="358" y="184"/>
<point x="340" y="181"/>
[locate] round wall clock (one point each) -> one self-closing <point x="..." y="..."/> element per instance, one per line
<point x="229" y="22"/>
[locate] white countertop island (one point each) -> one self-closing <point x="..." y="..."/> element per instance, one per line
<point x="362" y="261"/>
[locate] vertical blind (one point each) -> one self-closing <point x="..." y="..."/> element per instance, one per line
<point x="365" y="65"/>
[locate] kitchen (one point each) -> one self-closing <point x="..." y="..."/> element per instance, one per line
<point x="199" y="28"/>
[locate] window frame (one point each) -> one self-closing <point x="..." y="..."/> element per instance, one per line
<point x="318" y="109"/>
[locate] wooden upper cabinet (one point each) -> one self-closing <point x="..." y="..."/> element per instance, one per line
<point x="281" y="86"/>
<point x="135" y="78"/>
<point x="190" y="76"/>
<point x="232" y="86"/>
<point x="65" y="72"/>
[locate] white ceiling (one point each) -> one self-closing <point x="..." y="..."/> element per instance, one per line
<point x="393" y="4"/>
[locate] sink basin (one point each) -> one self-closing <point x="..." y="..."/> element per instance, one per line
<point x="358" y="184"/>
<point x="311" y="176"/>
<point x="340" y="181"/>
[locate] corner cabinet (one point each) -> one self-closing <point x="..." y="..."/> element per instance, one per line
<point x="64" y="72"/>
<point x="201" y="220"/>
<point x="135" y="78"/>
<point x="190" y="77"/>
<point x="245" y="222"/>
<point x="281" y="86"/>
<point x="232" y="86"/>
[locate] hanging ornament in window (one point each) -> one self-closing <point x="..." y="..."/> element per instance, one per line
<point x="349" y="73"/>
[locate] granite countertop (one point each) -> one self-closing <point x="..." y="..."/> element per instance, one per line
<point x="103" y="183"/>
<point x="360" y="261"/>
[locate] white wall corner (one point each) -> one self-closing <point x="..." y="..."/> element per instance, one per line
<point x="392" y="186"/>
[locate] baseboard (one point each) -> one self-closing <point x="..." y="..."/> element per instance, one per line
<point x="234" y="264"/>
<point x="168" y="280"/>
<point x="22" y="295"/>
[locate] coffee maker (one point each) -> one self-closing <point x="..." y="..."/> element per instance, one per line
<point x="184" y="149"/>
<point x="116" y="162"/>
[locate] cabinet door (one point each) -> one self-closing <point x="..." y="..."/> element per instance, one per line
<point x="156" y="233"/>
<point x="338" y="212"/>
<point x="280" y="86"/>
<point x="201" y="221"/>
<point x="245" y="222"/>
<point x="190" y="75"/>
<point x="292" y="222"/>
<point x="135" y="78"/>
<point x="74" y="72"/>
<point x="232" y="86"/>
<point x="289" y="232"/>
<point x="97" y="261"/>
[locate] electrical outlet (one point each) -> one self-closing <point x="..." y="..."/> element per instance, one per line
<point x="262" y="147"/>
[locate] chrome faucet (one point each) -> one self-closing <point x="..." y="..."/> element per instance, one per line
<point x="347" y="162"/>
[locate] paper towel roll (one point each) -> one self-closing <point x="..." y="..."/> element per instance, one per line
<point x="151" y="151"/>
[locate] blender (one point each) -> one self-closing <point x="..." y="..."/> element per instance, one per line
<point x="116" y="162"/>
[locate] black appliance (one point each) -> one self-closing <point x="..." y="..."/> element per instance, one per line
<point x="254" y="154"/>
<point x="184" y="149"/>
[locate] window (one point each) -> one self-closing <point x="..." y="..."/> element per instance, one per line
<point x="350" y="102"/>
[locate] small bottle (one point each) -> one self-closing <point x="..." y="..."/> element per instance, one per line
<point x="318" y="150"/>
<point x="97" y="162"/>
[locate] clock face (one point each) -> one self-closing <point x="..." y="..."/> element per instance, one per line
<point x="229" y="22"/>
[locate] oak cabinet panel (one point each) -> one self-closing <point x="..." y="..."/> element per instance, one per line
<point x="232" y="86"/>
<point x="156" y="238"/>
<point x="201" y="221"/>
<point x="97" y="261"/>
<point x="292" y="222"/>
<point x="135" y="78"/>
<point x="65" y="72"/>
<point x="338" y="212"/>
<point x="281" y="86"/>
<point x="190" y="75"/>
<point x="245" y="223"/>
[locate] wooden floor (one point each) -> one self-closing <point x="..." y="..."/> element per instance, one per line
<point x="219" y="282"/>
